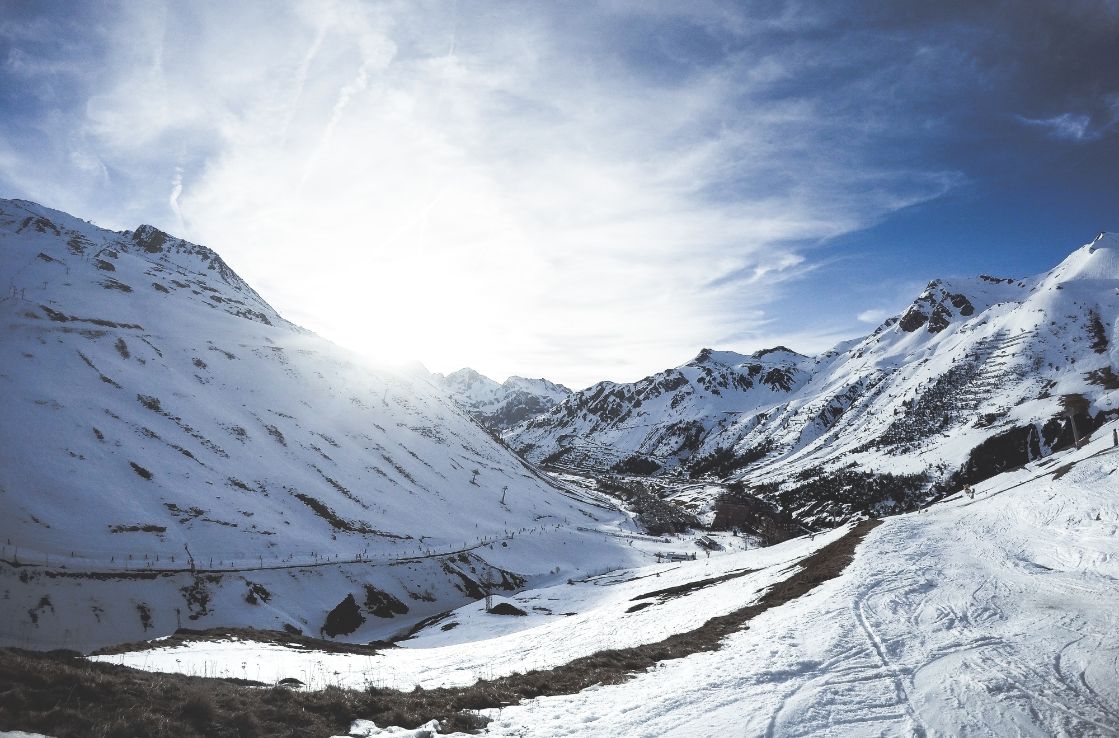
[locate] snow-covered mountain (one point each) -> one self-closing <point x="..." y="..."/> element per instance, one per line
<point x="173" y="452"/>
<point x="663" y="419"/>
<point x="976" y="376"/>
<point x="502" y="406"/>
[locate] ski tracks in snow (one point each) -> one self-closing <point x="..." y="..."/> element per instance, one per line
<point x="945" y="636"/>
<point x="860" y="686"/>
<point x="881" y="649"/>
<point x="989" y="618"/>
<point x="965" y="650"/>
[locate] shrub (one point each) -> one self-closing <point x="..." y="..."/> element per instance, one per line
<point x="199" y="710"/>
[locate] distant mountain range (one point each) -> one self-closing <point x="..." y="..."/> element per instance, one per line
<point x="975" y="376"/>
<point x="502" y="406"/>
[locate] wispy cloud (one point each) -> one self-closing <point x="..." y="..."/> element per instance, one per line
<point x="584" y="193"/>
<point x="1068" y="126"/>
<point x="176" y="191"/>
<point x="873" y="316"/>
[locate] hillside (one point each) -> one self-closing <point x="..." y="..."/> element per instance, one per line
<point x="984" y="616"/>
<point x="981" y="615"/>
<point x="174" y="452"/>
<point x="976" y="376"/>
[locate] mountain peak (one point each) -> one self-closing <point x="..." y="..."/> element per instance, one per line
<point x="467" y="377"/>
<point x="944" y="302"/>
<point x="733" y="358"/>
<point x="465" y="373"/>
<point x="935" y="308"/>
<point x="150" y="238"/>
<point x="712" y="356"/>
<point x="133" y="259"/>
<point x="778" y="349"/>
<point x="501" y="406"/>
<point x="155" y="241"/>
<point x="539" y="385"/>
<point x="1097" y="260"/>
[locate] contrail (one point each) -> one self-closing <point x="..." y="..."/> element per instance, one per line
<point x="301" y="78"/>
<point x="176" y="190"/>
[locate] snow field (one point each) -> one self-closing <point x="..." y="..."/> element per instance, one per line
<point x="993" y="616"/>
<point x="564" y="622"/>
<point x="162" y="417"/>
<point x="987" y="616"/>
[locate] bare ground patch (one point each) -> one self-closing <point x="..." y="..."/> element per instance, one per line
<point x="292" y="638"/>
<point x="680" y="590"/>
<point x="68" y="697"/>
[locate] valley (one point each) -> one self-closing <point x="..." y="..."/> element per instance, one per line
<point x="910" y="534"/>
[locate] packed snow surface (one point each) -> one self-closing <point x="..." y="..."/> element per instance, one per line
<point x="987" y="616"/>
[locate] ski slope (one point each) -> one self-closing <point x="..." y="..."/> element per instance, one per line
<point x="987" y="616"/>
<point x="563" y="622"/>
<point x="992" y="616"/>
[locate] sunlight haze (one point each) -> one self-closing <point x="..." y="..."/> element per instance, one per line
<point x="582" y="194"/>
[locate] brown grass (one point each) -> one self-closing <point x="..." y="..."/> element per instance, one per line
<point x="65" y="696"/>
<point x="687" y="588"/>
<point x="68" y="697"/>
<point x="292" y="638"/>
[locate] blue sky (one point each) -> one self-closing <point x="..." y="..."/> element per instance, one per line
<point x="581" y="191"/>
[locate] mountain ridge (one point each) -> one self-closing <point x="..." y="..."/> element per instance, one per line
<point x="500" y="406"/>
<point x="968" y="362"/>
<point x="175" y="453"/>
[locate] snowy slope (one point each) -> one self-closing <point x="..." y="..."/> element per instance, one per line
<point x="159" y="414"/>
<point x="564" y="622"/>
<point x="985" y="616"/>
<point x="974" y="377"/>
<point x="502" y="406"/>
<point x="992" y="616"/>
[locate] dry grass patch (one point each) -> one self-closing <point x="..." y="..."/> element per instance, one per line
<point x="68" y="697"/>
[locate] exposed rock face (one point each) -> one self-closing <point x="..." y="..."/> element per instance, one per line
<point x="937" y="307"/>
<point x="661" y="422"/>
<point x="150" y="238"/>
<point x="506" y="608"/>
<point x="382" y="604"/>
<point x="967" y="380"/>
<point x="344" y="619"/>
